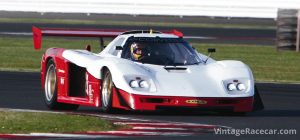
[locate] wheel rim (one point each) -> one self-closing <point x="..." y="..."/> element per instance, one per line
<point x="50" y="83"/>
<point x="106" y="90"/>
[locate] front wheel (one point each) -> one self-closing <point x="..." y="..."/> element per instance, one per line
<point x="106" y="92"/>
<point x="50" y="95"/>
<point x="258" y="103"/>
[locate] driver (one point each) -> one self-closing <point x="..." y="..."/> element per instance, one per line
<point x="138" y="51"/>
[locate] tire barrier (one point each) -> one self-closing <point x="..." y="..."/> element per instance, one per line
<point x="288" y="21"/>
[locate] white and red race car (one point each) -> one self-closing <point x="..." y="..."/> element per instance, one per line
<point x="142" y="70"/>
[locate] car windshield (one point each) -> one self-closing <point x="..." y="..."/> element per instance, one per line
<point x="160" y="51"/>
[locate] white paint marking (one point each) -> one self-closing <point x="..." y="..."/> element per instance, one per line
<point x="164" y="124"/>
<point x="199" y="37"/>
<point x="157" y="128"/>
<point x="151" y="133"/>
<point x="17" y="33"/>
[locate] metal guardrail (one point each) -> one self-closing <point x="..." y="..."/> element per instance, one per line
<point x="214" y="8"/>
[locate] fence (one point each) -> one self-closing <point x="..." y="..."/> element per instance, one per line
<point x="214" y="8"/>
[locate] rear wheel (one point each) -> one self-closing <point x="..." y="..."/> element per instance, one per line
<point x="50" y="95"/>
<point x="107" y="92"/>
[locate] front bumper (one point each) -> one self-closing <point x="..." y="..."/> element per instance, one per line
<point x="128" y="101"/>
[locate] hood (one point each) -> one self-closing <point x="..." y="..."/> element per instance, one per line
<point x="194" y="80"/>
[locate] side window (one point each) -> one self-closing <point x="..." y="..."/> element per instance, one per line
<point x="126" y="50"/>
<point x="118" y="42"/>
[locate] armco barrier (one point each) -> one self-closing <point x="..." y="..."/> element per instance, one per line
<point x="215" y="8"/>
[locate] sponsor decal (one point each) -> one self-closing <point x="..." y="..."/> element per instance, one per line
<point x="61" y="71"/>
<point x="62" y="81"/>
<point x="91" y="93"/>
<point x="88" y="89"/>
<point x="196" y="101"/>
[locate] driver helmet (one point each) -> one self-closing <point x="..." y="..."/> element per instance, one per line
<point x="138" y="51"/>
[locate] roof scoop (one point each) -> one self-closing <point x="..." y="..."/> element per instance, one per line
<point x="210" y="51"/>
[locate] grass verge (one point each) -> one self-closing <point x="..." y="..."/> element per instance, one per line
<point x="267" y="64"/>
<point x="29" y="122"/>
<point x="134" y="23"/>
<point x="18" y="54"/>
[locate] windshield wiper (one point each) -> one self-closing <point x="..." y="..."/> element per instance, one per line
<point x="196" y="63"/>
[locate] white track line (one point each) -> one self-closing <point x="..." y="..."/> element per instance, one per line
<point x="17" y="33"/>
<point x="157" y="128"/>
<point x="151" y="133"/>
<point x="199" y="37"/>
<point x="165" y="124"/>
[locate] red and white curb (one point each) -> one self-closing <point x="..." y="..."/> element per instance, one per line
<point x="138" y="127"/>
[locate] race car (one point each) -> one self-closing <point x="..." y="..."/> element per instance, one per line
<point x="142" y="70"/>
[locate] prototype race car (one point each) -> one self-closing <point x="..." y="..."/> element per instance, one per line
<point x="142" y="70"/>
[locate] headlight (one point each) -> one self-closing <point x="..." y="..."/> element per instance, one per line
<point x="237" y="86"/>
<point x="240" y="86"/>
<point x="231" y="87"/>
<point x="143" y="84"/>
<point x="134" y="84"/>
<point x="140" y="83"/>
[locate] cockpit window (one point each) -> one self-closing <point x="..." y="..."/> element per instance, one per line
<point x="118" y="42"/>
<point x="160" y="51"/>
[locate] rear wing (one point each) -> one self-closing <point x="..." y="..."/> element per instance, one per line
<point x="38" y="33"/>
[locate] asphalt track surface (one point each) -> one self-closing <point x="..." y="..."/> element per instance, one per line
<point x="22" y="90"/>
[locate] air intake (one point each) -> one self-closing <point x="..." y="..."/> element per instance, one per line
<point x="176" y="69"/>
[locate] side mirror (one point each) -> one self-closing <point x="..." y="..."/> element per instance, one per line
<point x="88" y="47"/>
<point x="211" y="50"/>
<point x="119" y="48"/>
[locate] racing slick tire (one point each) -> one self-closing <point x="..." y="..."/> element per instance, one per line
<point x="107" y="92"/>
<point x="50" y="91"/>
<point x="258" y="103"/>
